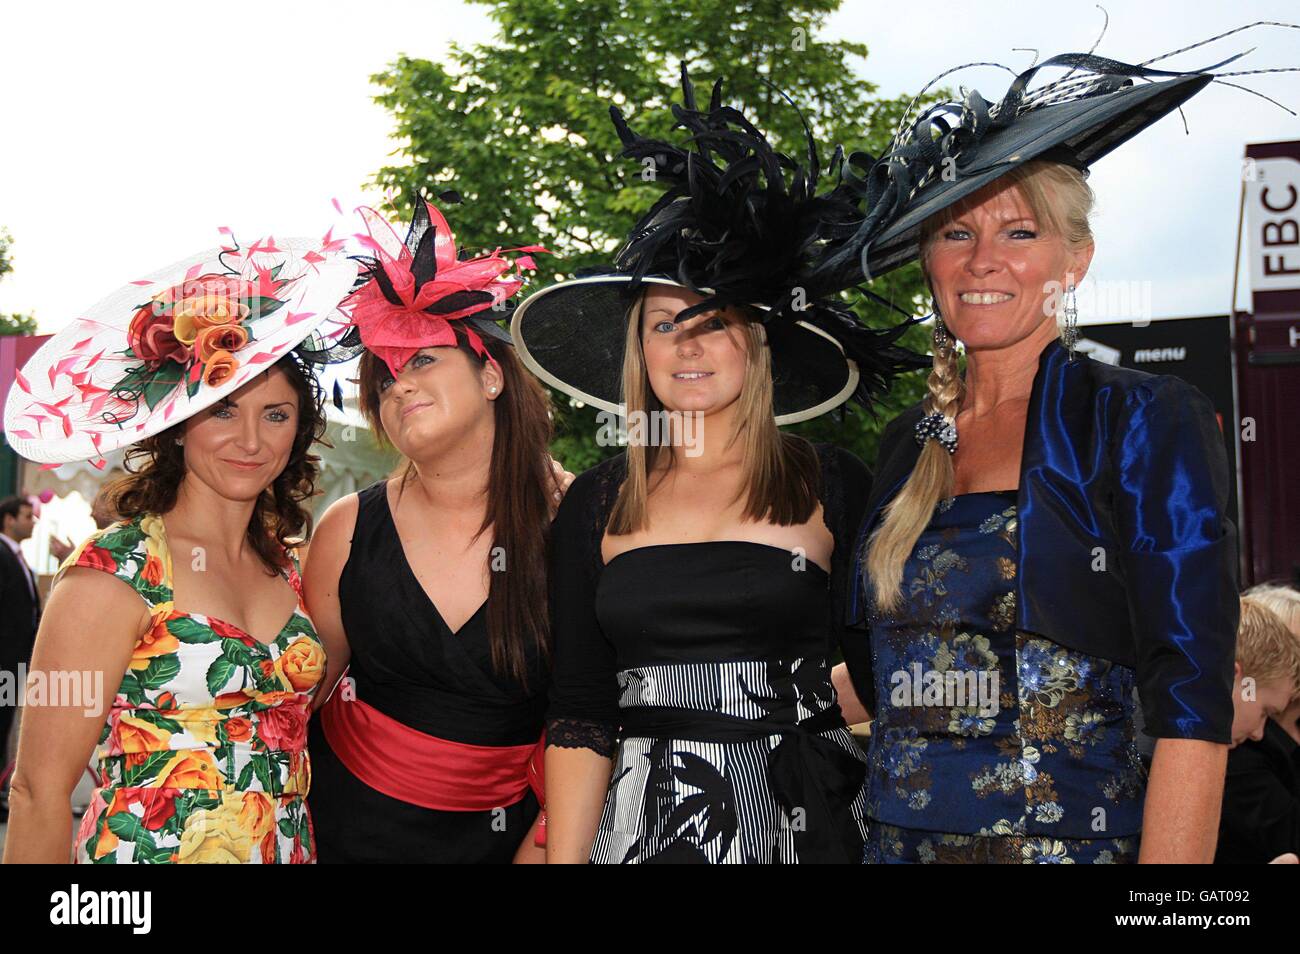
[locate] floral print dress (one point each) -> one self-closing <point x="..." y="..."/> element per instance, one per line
<point x="203" y="755"/>
<point x="990" y="744"/>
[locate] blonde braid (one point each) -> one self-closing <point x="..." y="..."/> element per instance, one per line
<point x="910" y="511"/>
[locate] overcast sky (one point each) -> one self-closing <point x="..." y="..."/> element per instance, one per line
<point x="133" y="130"/>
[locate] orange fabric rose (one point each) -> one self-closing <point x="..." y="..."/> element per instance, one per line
<point x="107" y="843"/>
<point x="152" y="572"/>
<point x="257" y="814"/>
<point x="219" y="338"/>
<point x="132" y="734"/>
<point x="206" y="306"/>
<point x="239" y="729"/>
<point x="220" y="366"/>
<point x="192" y="768"/>
<point x="302" y="664"/>
<point x="268" y="848"/>
<point x="157" y="642"/>
<point x="108" y="840"/>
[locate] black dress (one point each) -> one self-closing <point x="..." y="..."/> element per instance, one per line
<point x="710" y="664"/>
<point x="410" y="666"/>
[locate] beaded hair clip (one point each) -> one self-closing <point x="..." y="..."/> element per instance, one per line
<point x="937" y="427"/>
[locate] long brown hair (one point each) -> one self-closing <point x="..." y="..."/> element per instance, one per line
<point x="781" y="471"/>
<point x="518" y="509"/>
<point x="155" y="468"/>
<point x="1061" y="200"/>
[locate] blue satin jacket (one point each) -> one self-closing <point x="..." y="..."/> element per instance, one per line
<point x="1125" y="549"/>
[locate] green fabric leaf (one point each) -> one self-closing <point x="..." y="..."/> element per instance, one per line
<point x="189" y="630"/>
<point x="160" y="671"/>
<point x="219" y="674"/>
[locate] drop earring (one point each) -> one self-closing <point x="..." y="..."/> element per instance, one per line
<point x="941" y="338"/>
<point x="1071" y="310"/>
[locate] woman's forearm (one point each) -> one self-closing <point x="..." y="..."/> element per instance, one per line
<point x="850" y="705"/>
<point x="40" y="827"/>
<point x="576" y="783"/>
<point x="1180" y="820"/>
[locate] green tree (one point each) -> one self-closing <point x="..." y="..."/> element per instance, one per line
<point x="12" y="324"/>
<point x="520" y="127"/>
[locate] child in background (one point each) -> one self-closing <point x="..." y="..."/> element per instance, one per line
<point x="1261" y="799"/>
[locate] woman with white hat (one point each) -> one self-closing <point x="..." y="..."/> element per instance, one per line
<point x="184" y="620"/>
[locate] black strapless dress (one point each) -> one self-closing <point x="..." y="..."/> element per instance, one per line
<point x="703" y="670"/>
<point x="410" y="666"/>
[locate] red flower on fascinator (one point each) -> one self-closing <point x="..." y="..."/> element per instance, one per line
<point x="416" y="288"/>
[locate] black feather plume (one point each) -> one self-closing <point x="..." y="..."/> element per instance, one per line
<point x="743" y="224"/>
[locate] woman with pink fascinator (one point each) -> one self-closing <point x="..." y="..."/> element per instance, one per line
<point x="429" y="587"/>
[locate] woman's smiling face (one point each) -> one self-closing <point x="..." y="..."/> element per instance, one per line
<point x="240" y="445"/>
<point x="697" y="364"/>
<point x="996" y="273"/>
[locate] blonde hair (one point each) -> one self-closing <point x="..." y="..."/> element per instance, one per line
<point x="1060" y="200"/>
<point x="1282" y="600"/>
<point x="781" y="472"/>
<point x="1266" y="650"/>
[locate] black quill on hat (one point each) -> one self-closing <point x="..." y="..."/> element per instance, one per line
<point x="743" y="224"/>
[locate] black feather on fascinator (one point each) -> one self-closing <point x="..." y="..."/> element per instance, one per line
<point x="739" y="224"/>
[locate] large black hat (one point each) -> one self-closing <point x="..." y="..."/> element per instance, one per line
<point x="739" y="224"/>
<point x="956" y="148"/>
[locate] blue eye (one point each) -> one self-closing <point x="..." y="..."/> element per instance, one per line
<point x="955" y="234"/>
<point x="278" y="415"/>
<point x="671" y="326"/>
<point x="223" y="411"/>
<point x="1028" y="233"/>
<point x="420" y="360"/>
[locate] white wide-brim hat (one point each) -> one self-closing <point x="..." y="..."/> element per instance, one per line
<point x="158" y="350"/>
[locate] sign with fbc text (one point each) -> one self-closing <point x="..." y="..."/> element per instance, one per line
<point x="1272" y="178"/>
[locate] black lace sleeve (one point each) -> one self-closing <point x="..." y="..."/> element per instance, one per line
<point x="846" y="486"/>
<point x="582" y="734"/>
<point x="583" y="708"/>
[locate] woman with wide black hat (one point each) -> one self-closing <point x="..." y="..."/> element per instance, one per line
<point x="1047" y="533"/>
<point x="696" y="580"/>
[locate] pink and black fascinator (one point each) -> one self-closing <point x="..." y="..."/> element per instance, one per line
<point x="415" y="293"/>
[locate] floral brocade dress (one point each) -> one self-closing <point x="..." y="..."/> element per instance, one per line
<point x="203" y="756"/>
<point x="993" y="745"/>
